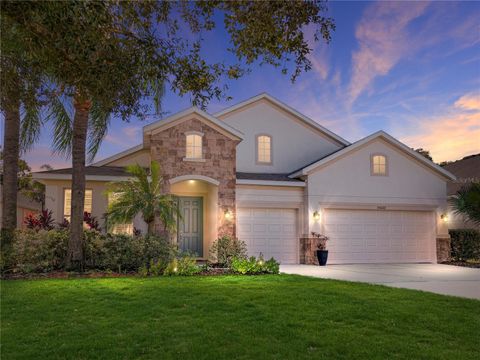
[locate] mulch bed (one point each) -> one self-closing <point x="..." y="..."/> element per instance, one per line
<point x="475" y="265"/>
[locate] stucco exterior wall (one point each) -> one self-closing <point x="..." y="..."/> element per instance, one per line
<point x="348" y="182"/>
<point x="294" y="143"/>
<point x="141" y="158"/>
<point x="54" y="199"/>
<point x="168" y="147"/>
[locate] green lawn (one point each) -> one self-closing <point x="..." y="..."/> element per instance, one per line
<point x="262" y="317"/>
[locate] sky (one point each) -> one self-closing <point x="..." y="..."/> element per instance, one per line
<point x="411" y="69"/>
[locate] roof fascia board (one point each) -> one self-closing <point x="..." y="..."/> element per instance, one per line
<point x="41" y="176"/>
<point x="270" y="183"/>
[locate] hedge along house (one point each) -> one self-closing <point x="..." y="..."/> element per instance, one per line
<point x="265" y="173"/>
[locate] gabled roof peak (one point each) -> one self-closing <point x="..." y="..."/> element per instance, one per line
<point x="305" y="119"/>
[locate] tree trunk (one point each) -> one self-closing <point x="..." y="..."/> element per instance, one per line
<point x="75" y="258"/>
<point x="150" y="227"/>
<point x="10" y="171"/>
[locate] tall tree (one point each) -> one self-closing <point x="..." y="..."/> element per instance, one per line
<point x="109" y="55"/>
<point x="20" y="81"/>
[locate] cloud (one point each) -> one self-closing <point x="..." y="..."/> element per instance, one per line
<point x="453" y="135"/>
<point x="383" y="40"/>
<point x="469" y="102"/>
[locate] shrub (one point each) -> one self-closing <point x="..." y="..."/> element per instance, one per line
<point x="42" y="251"/>
<point x="224" y="249"/>
<point x="182" y="266"/>
<point x="121" y="252"/>
<point x="465" y="244"/>
<point x="38" y="251"/>
<point x="254" y="266"/>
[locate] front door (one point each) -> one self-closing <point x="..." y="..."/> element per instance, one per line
<point x="190" y="226"/>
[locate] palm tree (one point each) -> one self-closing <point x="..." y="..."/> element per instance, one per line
<point x="142" y="194"/>
<point x="466" y="202"/>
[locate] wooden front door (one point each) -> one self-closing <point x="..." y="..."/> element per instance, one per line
<point x="190" y="226"/>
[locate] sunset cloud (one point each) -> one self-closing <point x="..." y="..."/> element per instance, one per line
<point x="383" y="40"/>
<point x="469" y="102"/>
<point x="451" y="136"/>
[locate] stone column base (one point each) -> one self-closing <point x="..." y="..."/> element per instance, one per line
<point x="308" y="248"/>
<point x="443" y="249"/>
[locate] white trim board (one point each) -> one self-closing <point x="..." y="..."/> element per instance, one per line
<point x="41" y="176"/>
<point x="270" y="183"/>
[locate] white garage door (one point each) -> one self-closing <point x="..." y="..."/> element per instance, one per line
<point x="272" y="232"/>
<point x="364" y="236"/>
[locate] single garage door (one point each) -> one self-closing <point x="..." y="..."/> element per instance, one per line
<point x="366" y="236"/>
<point x="272" y="232"/>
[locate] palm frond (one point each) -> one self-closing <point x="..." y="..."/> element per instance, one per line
<point x="158" y="91"/>
<point x="466" y="202"/>
<point x="97" y="129"/>
<point x="30" y="126"/>
<point x="62" y="127"/>
<point x="142" y="195"/>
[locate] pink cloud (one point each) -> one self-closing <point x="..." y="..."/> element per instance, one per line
<point x="469" y="102"/>
<point x="453" y="135"/>
<point x="383" y="39"/>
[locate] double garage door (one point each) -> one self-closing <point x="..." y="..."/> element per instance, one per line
<point x="356" y="236"/>
<point x="367" y="236"/>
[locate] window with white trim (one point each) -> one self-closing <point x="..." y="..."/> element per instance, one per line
<point x="126" y="228"/>
<point x="67" y="203"/>
<point x="264" y="149"/>
<point x="379" y="165"/>
<point x="194" y="146"/>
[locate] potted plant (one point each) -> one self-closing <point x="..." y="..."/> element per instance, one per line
<point x="322" y="252"/>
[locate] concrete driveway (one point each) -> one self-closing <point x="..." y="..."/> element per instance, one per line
<point x="440" y="279"/>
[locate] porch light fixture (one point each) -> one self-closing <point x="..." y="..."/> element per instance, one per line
<point x="444" y="217"/>
<point x="316" y="215"/>
<point x="228" y="215"/>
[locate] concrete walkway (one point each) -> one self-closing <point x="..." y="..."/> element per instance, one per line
<point x="440" y="279"/>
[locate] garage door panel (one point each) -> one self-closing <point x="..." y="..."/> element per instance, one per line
<point x="379" y="236"/>
<point x="274" y="233"/>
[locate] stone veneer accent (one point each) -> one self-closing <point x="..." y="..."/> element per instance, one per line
<point x="308" y="248"/>
<point x="168" y="148"/>
<point x="443" y="249"/>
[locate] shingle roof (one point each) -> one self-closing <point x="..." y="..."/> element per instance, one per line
<point x="267" y="177"/>
<point x="92" y="170"/>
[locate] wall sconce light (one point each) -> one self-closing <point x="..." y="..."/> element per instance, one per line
<point x="316" y="215"/>
<point x="228" y="215"/>
<point x="444" y="217"/>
